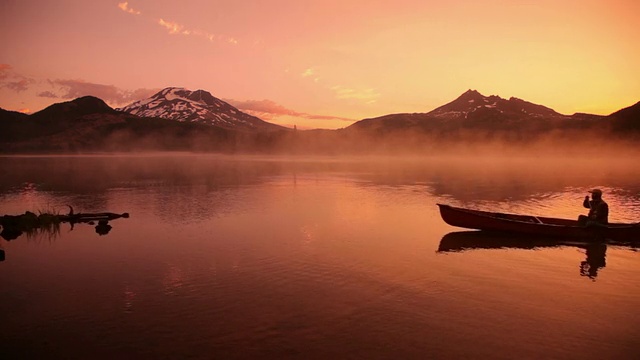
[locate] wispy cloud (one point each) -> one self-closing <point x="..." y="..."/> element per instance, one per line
<point x="71" y="89"/>
<point x="311" y="73"/>
<point x="18" y="86"/>
<point x="47" y="94"/>
<point x="4" y="71"/>
<point x="174" y="28"/>
<point x="268" y="110"/>
<point x="124" y="6"/>
<point x="368" y="95"/>
<point x="12" y="80"/>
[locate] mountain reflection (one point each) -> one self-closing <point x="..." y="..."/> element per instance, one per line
<point x="472" y="240"/>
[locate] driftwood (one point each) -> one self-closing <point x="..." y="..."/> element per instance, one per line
<point x="14" y="225"/>
<point x="72" y="217"/>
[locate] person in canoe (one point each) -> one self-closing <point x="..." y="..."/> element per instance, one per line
<point x="598" y="210"/>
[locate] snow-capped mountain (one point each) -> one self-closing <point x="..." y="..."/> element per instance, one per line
<point x="472" y="110"/>
<point x="196" y="106"/>
<point x="472" y="103"/>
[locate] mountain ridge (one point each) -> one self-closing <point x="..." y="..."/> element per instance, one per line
<point x="474" y="111"/>
<point x="89" y="124"/>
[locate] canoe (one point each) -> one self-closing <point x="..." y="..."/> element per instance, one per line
<point x="535" y="225"/>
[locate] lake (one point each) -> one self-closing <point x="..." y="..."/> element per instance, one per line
<point x="252" y="257"/>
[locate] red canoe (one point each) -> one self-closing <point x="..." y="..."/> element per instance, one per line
<point x="535" y="225"/>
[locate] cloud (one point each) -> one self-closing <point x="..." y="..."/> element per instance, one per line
<point x="267" y="109"/>
<point x="368" y="95"/>
<point x="310" y="72"/>
<point x="174" y="28"/>
<point x="71" y="89"/>
<point x="4" y="70"/>
<point x="12" y="81"/>
<point x="47" y="94"/>
<point x="19" y="85"/>
<point x="266" y="106"/>
<point x="124" y="6"/>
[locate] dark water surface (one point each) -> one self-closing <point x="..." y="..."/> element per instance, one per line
<point x="251" y="257"/>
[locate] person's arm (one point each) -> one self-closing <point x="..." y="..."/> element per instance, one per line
<point x="586" y="203"/>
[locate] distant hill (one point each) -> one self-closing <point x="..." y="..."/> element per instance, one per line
<point x="196" y="107"/>
<point x="627" y="119"/>
<point x="72" y="109"/>
<point x="11" y="115"/>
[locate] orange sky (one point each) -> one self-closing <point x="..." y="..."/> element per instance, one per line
<point x="324" y="63"/>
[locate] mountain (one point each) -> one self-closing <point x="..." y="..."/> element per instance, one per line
<point x="627" y="119"/>
<point x="196" y="107"/>
<point x="7" y="115"/>
<point x="89" y="124"/>
<point x="72" y="109"/>
<point x="199" y="122"/>
<point x="12" y="123"/>
<point x="53" y="119"/>
<point x="473" y="104"/>
<point x="474" y="112"/>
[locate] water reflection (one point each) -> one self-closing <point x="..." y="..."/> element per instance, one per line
<point x="472" y="240"/>
<point x="595" y="252"/>
<point x="103" y="227"/>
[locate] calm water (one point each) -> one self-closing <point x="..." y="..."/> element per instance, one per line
<point x="323" y="258"/>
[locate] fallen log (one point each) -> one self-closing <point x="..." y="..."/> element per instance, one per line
<point x="87" y="217"/>
<point x="14" y="225"/>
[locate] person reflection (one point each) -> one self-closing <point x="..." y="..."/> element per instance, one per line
<point x="595" y="260"/>
<point x="103" y="227"/>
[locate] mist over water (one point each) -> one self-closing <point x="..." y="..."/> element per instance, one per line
<point x="311" y="257"/>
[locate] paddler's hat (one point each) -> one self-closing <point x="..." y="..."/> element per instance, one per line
<point x="596" y="191"/>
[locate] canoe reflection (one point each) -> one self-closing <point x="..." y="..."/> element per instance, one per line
<point x="472" y="240"/>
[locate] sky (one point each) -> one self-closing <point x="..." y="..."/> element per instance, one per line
<point x="322" y="63"/>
